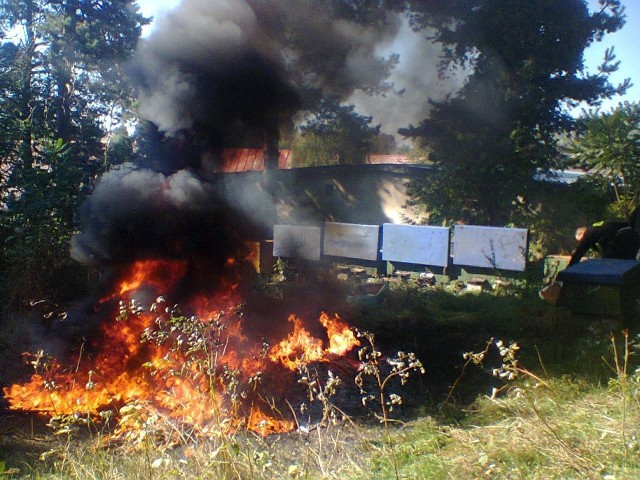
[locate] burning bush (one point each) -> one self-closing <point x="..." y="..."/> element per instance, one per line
<point x="203" y="371"/>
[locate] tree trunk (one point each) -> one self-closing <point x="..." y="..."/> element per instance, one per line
<point x="26" y="93"/>
<point x="63" y="104"/>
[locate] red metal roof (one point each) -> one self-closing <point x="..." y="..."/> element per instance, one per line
<point x="252" y="159"/>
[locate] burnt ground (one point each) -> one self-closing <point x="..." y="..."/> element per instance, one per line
<point x="437" y="324"/>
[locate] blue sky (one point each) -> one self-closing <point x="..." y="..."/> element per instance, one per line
<point x="625" y="41"/>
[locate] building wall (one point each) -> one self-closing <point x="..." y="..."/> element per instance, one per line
<point x="364" y="194"/>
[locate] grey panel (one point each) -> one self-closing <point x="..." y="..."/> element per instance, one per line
<point x="351" y="240"/>
<point x="297" y="242"/>
<point x="490" y="247"/>
<point x="422" y="245"/>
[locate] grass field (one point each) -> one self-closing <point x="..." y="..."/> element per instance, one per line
<point x="512" y="388"/>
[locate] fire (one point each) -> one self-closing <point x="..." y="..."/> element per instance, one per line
<point x="341" y="337"/>
<point x="156" y="273"/>
<point x="265" y="424"/>
<point x="300" y="347"/>
<point x="195" y="370"/>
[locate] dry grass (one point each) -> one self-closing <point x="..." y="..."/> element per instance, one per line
<point x="568" y="429"/>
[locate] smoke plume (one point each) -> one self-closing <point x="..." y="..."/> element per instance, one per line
<point x="239" y="69"/>
<point x="416" y="80"/>
<point x="144" y="214"/>
<point x="231" y="73"/>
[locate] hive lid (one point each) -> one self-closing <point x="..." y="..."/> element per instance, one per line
<point x="602" y="271"/>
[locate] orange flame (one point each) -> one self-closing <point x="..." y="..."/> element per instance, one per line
<point x="156" y="273"/>
<point x="341" y="337"/>
<point x="265" y="424"/>
<point x="300" y="348"/>
<point x="179" y="375"/>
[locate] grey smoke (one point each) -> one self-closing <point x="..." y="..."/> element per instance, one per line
<point x="228" y="70"/>
<point x="219" y="66"/>
<point x="136" y="213"/>
<point x="416" y="77"/>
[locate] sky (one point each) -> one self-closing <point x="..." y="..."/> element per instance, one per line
<point x="625" y="43"/>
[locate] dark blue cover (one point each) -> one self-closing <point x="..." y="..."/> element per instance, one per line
<point x="601" y="271"/>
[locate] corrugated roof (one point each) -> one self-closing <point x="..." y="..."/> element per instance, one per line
<point x="252" y="160"/>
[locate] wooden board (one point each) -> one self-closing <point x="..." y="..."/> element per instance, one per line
<point x="421" y="245"/>
<point x="351" y="240"/>
<point x="490" y="247"/>
<point x="297" y="242"/>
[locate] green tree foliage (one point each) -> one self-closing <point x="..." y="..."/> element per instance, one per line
<point x="334" y="134"/>
<point x="63" y="92"/>
<point x="526" y="67"/>
<point x="10" y="125"/>
<point x="384" y="144"/>
<point x="36" y="225"/>
<point x="609" y="144"/>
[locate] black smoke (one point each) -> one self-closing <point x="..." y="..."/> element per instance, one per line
<point x="241" y="69"/>
<point x="229" y="73"/>
<point x="216" y="74"/>
<point x="136" y="214"/>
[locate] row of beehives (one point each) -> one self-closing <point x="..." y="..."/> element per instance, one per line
<point x="463" y="245"/>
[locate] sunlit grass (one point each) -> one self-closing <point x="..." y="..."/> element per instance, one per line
<point x="569" y="429"/>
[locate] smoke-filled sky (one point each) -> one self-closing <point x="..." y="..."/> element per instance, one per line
<point x="624" y="41"/>
<point x="214" y="72"/>
<point x="281" y="58"/>
<point x="191" y="66"/>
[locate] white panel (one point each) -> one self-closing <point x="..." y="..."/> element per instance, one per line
<point x="297" y="242"/>
<point x="351" y="240"/>
<point x="417" y="244"/>
<point x="490" y="247"/>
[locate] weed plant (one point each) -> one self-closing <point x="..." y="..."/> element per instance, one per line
<point x="139" y="437"/>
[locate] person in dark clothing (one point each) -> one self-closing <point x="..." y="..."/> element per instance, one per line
<point x="611" y="239"/>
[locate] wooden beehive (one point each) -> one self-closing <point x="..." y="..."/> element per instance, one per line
<point x="605" y="287"/>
